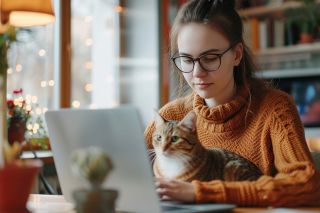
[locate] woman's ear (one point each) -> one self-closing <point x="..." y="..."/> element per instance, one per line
<point x="238" y="50"/>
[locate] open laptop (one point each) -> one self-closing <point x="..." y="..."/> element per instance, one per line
<point x="118" y="131"/>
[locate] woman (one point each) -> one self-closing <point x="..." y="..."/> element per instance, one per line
<point x="236" y="112"/>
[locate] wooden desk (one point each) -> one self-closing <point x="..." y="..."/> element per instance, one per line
<point x="46" y="155"/>
<point x="51" y="201"/>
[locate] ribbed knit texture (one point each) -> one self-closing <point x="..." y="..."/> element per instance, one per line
<point x="268" y="132"/>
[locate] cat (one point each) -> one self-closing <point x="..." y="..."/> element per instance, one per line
<point x="178" y="154"/>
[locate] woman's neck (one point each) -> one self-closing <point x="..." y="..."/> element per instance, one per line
<point x="228" y="95"/>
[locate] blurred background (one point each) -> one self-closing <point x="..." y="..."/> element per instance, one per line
<point x="104" y="53"/>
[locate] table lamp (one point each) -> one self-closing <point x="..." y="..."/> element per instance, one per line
<point x="17" y="13"/>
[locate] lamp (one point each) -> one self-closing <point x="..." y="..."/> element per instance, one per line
<point x="17" y="13"/>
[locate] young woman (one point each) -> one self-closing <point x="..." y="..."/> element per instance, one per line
<point x="237" y="112"/>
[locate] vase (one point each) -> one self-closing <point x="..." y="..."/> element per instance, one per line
<point x="16" y="131"/>
<point x="96" y="200"/>
<point x="16" y="181"/>
<point x="306" y="38"/>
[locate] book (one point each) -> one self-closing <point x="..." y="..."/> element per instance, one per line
<point x="263" y="34"/>
<point x="279" y="34"/>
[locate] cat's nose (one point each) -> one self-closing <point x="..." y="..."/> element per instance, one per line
<point x="165" y="147"/>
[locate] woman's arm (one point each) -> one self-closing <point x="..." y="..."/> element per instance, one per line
<point x="297" y="182"/>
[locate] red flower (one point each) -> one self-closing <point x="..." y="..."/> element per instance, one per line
<point x="18" y="91"/>
<point x="10" y="104"/>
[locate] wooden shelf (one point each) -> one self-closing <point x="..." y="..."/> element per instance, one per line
<point x="269" y="9"/>
<point x="283" y="73"/>
<point x="293" y="49"/>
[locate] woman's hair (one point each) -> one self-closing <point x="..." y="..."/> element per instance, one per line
<point x="221" y="15"/>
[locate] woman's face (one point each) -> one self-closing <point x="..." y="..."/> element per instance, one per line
<point x="197" y="40"/>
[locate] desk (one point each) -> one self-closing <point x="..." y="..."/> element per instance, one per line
<point x="53" y="201"/>
<point x="45" y="155"/>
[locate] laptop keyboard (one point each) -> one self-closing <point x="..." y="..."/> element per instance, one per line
<point x="171" y="208"/>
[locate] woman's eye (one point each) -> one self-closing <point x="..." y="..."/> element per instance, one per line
<point x="186" y="60"/>
<point x="174" y="139"/>
<point x="209" y="58"/>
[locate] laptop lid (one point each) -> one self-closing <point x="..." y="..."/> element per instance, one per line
<point x="119" y="133"/>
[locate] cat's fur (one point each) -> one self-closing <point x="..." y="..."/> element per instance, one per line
<point x="178" y="154"/>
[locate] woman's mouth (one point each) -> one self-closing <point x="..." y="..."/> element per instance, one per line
<point x="202" y="85"/>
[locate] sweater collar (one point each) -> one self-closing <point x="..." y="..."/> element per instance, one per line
<point x="224" y="112"/>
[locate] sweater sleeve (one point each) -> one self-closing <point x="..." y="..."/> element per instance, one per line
<point x="297" y="182"/>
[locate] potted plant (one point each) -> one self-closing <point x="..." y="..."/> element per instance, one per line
<point x="306" y="19"/>
<point x="93" y="165"/>
<point x="16" y="179"/>
<point x="18" y="115"/>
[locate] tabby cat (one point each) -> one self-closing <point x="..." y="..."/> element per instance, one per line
<point x="178" y="154"/>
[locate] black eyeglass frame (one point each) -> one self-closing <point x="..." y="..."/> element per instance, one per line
<point x="219" y="55"/>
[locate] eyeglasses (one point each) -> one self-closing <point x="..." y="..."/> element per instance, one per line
<point x="209" y="62"/>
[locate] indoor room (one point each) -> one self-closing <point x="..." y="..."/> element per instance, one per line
<point x="160" y="106"/>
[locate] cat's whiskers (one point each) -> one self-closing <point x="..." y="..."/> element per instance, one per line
<point x="152" y="155"/>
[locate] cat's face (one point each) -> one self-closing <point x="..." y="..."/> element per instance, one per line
<point x="172" y="138"/>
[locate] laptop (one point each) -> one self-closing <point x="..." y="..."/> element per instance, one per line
<point x="118" y="131"/>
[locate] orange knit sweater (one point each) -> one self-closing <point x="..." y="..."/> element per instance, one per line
<point x="268" y="132"/>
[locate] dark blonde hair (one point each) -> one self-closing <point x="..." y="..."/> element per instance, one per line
<point x="221" y="15"/>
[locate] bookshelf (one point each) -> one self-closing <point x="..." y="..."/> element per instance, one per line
<point x="275" y="37"/>
<point x="298" y="48"/>
<point x="269" y="9"/>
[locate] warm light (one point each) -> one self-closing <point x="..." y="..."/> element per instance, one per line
<point x="51" y="83"/>
<point x="18" y="67"/>
<point x="38" y="111"/>
<point x="44" y="109"/>
<point x="9" y="71"/>
<point x="28" y="99"/>
<point x="76" y="104"/>
<point x="29" y="127"/>
<point x="36" y="126"/>
<point x="28" y="108"/>
<point x="88" y="87"/>
<point x="119" y="9"/>
<point x="88" y="65"/>
<point x="34" y="99"/>
<point x="43" y="83"/>
<point x="22" y="13"/>
<point x="42" y="53"/>
<point x="88" y="41"/>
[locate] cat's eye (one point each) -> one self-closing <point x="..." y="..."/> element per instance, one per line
<point x="158" y="137"/>
<point x="174" y="139"/>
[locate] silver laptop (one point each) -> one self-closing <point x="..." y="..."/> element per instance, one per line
<point x="118" y="131"/>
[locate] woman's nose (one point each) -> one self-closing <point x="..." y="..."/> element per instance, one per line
<point x="198" y="71"/>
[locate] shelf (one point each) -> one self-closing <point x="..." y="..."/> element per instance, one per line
<point x="283" y="73"/>
<point x="293" y="49"/>
<point x="266" y="10"/>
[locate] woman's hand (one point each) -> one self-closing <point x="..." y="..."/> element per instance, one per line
<point x="175" y="190"/>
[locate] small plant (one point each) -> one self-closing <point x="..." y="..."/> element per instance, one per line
<point x="17" y="108"/>
<point x="91" y="164"/>
<point x="306" y="17"/>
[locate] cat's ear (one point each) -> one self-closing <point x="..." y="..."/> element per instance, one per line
<point x="158" y="119"/>
<point x="189" y="121"/>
